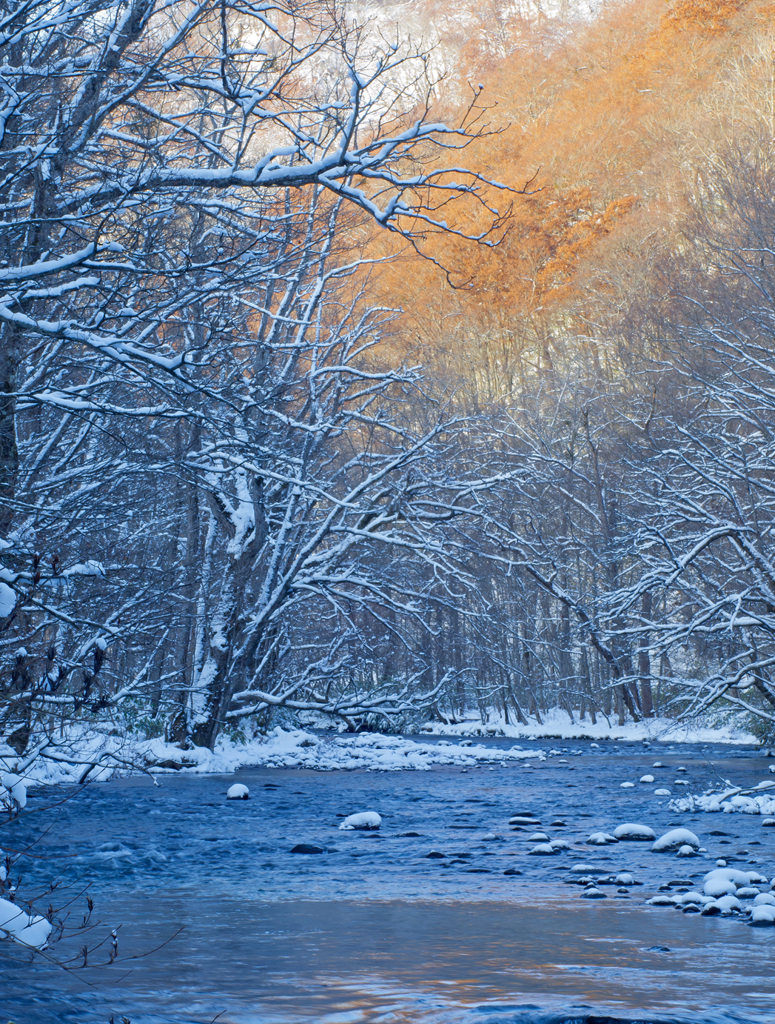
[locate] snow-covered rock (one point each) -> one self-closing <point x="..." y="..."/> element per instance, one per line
<point x="626" y="785"/>
<point x="624" y="878"/>
<point x="647" y="778"/>
<point x="539" y="837"/>
<point x="728" y="903"/>
<point x="719" y="886"/>
<point x="763" y="916"/>
<point x="726" y="880"/>
<point x="764" y="899"/>
<point x="633" y="831"/>
<point x="543" y="850"/>
<point x="685" y="851"/>
<point x="661" y="792"/>
<point x="238" y="792"/>
<point x="674" y="839"/>
<point x="365" y="821"/>
<point x="601" y="839"/>
<point x="747" y="892"/>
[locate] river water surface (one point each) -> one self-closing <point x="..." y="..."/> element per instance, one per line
<point x="373" y="929"/>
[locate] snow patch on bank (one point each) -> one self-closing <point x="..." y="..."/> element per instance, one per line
<point x="280" y="748"/>
<point x="556" y="724"/>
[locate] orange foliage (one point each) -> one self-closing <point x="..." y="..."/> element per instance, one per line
<point x="607" y="117"/>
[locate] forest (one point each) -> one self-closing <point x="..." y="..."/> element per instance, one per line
<point x="369" y="364"/>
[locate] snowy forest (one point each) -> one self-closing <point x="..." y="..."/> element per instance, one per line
<point x="366" y="364"/>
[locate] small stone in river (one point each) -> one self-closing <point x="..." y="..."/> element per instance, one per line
<point x="657" y="764"/>
<point x="626" y="785"/>
<point x="661" y="901"/>
<point x="489" y="838"/>
<point x="768" y="823"/>
<point x="647" y="778"/>
<point x="512" y="871"/>
<point x="721" y="863"/>
<point x="539" y="837"/>
<point x="307" y="848"/>
<point x="408" y="835"/>
<point x="593" y="894"/>
<point x="558" y="824"/>
<point x="661" y="792"/>
<point x="238" y="792"/>
<point x="711" y="910"/>
<point x="685" y="851"/>
<point x="624" y="878"/>
<point x="435" y="855"/>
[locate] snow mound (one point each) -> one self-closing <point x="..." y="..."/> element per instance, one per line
<point x="13" y="791"/>
<point x="627" y="785"/>
<point x="724" y="881"/>
<point x="238" y="792"/>
<point x="601" y="839"/>
<point x="543" y="850"/>
<point x="633" y="831"/>
<point x="647" y="778"/>
<point x="556" y="724"/>
<point x="19" y="926"/>
<point x="674" y="839"/>
<point x="365" y="821"/>
<point x="763" y="916"/>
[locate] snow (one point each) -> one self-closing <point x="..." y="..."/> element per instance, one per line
<point x="543" y="850"/>
<point x="7" y="600"/>
<point x="627" y="785"/>
<point x="661" y="792"/>
<point x="633" y="831"/>
<point x="13" y="791"/>
<point x="19" y="926"/>
<point x="764" y="898"/>
<point x="365" y="821"/>
<point x="238" y="792"/>
<point x="718" y="887"/>
<point x="727" y="903"/>
<point x="685" y="851"/>
<point x="279" y="748"/>
<point x="601" y="839"/>
<point x="556" y="724"/>
<point x="729" y="801"/>
<point x="763" y="916"/>
<point x="674" y="839"/>
<point x="647" y="778"/>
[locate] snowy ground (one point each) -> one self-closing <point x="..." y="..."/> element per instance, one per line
<point x="556" y="724"/>
<point x="453" y="745"/>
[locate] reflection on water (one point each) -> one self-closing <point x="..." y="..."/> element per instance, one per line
<point x="471" y="963"/>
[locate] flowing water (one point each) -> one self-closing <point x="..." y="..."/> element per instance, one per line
<point x="373" y="929"/>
